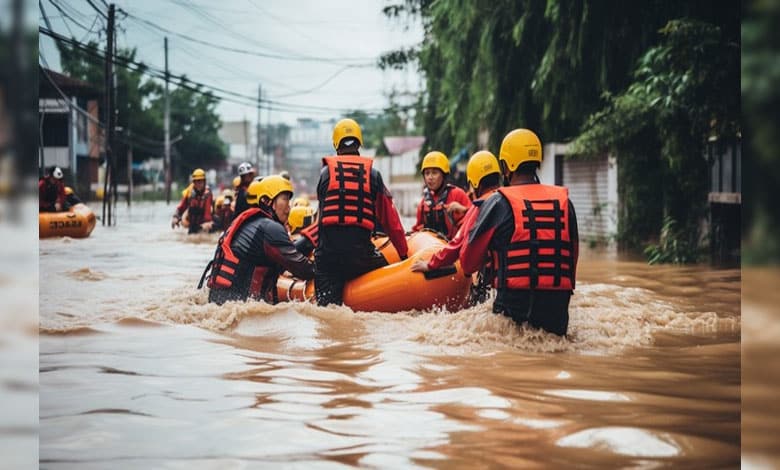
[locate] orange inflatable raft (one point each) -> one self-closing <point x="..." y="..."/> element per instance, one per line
<point x="76" y="222"/>
<point x="395" y="288"/>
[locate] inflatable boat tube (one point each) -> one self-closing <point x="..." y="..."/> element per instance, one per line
<point x="76" y="222"/>
<point x="395" y="288"/>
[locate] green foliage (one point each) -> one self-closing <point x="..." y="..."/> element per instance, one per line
<point x="761" y="95"/>
<point x="649" y="81"/>
<point x="684" y="91"/>
<point x="675" y="245"/>
<point x="140" y="112"/>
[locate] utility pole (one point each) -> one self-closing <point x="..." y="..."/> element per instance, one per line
<point x="167" y="125"/>
<point x="109" y="144"/>
<point x="129" y="166"/>
<point x="257" y="144"/>
<point x="269" y="157"/>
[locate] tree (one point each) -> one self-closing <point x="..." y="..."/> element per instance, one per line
<point x="684" y="91"/>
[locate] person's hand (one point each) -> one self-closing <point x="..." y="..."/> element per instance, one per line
<point x="57" y="206"/>
<point x="419" y="265"/>
<point x="455" y="206"/>
<point x="175" y="221"/>
<point x="206" y="226"/>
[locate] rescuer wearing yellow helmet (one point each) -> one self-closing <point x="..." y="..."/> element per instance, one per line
<point x="353" y="203"/>
<point x="531" y="230"/>
<point x="198" y="204"/>
<point x="443" y="205"/>
<point x="484" y="177"/>
<point x="256" y="248"/>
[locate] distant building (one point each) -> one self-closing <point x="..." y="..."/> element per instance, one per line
<point x="725" y="199"/>
<point x="593" y="189"/>
<point x="400" y="171"/>
<point x="68" y="112"/>
<point x="241" y="139"/>
<point x="308" y="141"/>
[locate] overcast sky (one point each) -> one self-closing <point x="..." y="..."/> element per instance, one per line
<point x="335" y="45"/>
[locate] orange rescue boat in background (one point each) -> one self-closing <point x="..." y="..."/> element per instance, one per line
<point x="76" y="222"/>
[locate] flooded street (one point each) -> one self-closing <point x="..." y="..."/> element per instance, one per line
<point x="137" y="370"/>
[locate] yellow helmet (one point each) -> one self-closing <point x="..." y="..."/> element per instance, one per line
<point x="481" y="164"/>
<point x="236" y="181"/>
<point x="436" y="159"/>
<point x="300" y="217"/>
<point x="68" y="190"/>
<point x="520" y="146"/>
<point x="301" y="201"/>
<point x="227" y="192"/>
<point x="270" y="187"/>
<point x="346" y="128"/>
<point x="198" y="174"/>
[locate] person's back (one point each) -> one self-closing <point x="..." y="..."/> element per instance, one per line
<point x="531" y="231"/>
<point x="353" y="200"/>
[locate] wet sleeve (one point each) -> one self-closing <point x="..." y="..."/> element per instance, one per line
<point x="304" y="245"/>
<point x="449" y="254"/>
<point x="181" y="207"/>
<point x="574" y="236"/>
<point x="209" y="207"/>
<point x="388" y="217"/>
<point x="460" y="196"/>
<point x="489" y="216"/>
<point x="280" y="249"/>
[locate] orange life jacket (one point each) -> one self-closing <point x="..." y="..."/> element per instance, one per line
<point x="435" y="216"/>
<point x="197" y="205"/>
<point x="225" y="263"/>
<point x="540" y="254"/>
<point x="349" y="198"/>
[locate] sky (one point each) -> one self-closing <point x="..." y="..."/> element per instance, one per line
<point x="312" y="58"/>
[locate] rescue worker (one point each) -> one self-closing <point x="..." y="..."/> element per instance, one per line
<point x="247" y="173"/>
<point x="443" y="205"/>
<point x="300" y="218"/>
<point x="531" y="230"/>
<point x="70" y="198"/>
<point x="301" y="201"/>
<point x="484" y="176"/>
<point x="353" y="200"/>
<point x="51" y="191"/>
<point x="198" y="204"/>
<point x="257" y="241"/>
<point x="223" y="212"/>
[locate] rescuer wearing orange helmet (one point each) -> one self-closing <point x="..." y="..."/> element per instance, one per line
<point x="443" y="205"/>
<point x="198" y="202"/>
<point x="353" y="202"/>
<point x="531" y="231"/>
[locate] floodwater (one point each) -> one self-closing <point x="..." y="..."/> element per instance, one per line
<point x="137" y="370"/>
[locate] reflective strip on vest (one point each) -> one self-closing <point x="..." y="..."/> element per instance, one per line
<point x="349" y="198"/>
<point x="540" y="254"/>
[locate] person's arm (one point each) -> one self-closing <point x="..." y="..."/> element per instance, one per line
<point x="60" y="195"/>
<point x="489" y="217"/>
<point x="574" y="236"/>
<point x="449" y="254"/>
<point x="278" y="247"/>
<point x="419" y="223"/>
<point x="391" y="222"/>
<point x="207" y="217"/>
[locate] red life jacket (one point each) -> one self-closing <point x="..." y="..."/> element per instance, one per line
<point x="349" y="198"/>
<point x="225" y="263"/>
<point x="540" y="254"/>
<point x="435" y="216"/>
<point x="197" y="205"/>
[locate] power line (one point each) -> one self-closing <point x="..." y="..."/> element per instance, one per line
<point x="357" y="62"/>
<point x="195" y="86"/>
